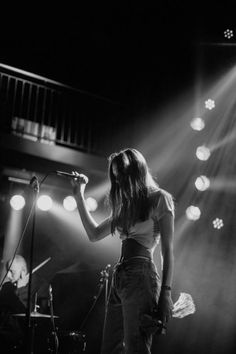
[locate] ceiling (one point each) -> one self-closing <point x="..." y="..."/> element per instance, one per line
<point x="134" y="55"/>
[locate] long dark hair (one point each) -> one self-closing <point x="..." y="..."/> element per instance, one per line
<point x="131" y="186"/>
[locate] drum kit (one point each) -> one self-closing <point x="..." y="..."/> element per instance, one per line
<point x="46" y="341"/>
<point x="39" y="331"/>
<point x="46" y="337"/>
<point x="34" y="315"/>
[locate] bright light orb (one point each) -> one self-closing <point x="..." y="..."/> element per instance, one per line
<point x="210" y="104"/>
<point x="44" y="202"/>
<point x="193" y="213"/>
<point x="203" y="153"/>
<point x="217" y="223"/>
<point x="228" y="33"/>
<point x="202" y="183"/>
<point x="91" y="204"/>
<point x="197" y="124"/>
<point x="17" y="202"/>
<point x="69" y="203"/>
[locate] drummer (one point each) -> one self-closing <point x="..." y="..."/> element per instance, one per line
<point x="18" y="273"/>
<point x="14" y="301"/>
<point x="16" y="278"/>
<point x="10" y="301"/>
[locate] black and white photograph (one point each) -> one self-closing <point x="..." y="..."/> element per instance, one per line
<point x="118" y="178"/>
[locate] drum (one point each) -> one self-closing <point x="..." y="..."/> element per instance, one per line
<point x="40" y="335"/>
<point x="71" y="342"/>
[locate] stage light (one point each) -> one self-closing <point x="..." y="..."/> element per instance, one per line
<point x="202" y="183"/>
<point x="17" y="202"/>
<point x="44" y="202"/>
<point x="197" y="124"/>
<point x="218" y="223"/>
<point x="209" y="104"/>
<point x="203" y="153"/>
<point x="228" y="33"/>
<point x="91" y="204"/>
<point x="69" y="203"/>
<point x="193" y="213"/>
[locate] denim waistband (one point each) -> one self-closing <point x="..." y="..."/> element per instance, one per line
<point x="125" y="260"/>
<point x="135" y="259"/>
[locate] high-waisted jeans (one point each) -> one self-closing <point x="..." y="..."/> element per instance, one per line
<point x="134" y="291"/>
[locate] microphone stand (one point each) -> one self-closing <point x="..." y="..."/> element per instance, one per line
<point x="103" y="281"/>
<point x="29" y="328"/>
<point x="105" y="274"/>
<point x="55" y="337"/>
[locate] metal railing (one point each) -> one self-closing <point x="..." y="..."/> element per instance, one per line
<point x="48" y="111"/>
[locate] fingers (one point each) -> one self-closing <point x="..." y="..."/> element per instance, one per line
<point x="166" y="315"/>
<point x="83" y="178"/>
<point x="79" y="183"/>
<point x="75" y="173"/>
<point x="79" y="178"/>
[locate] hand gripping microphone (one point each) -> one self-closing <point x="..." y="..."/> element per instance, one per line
<point x="71" y="175"/>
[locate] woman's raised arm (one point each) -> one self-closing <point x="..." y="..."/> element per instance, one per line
<point x="94" y="230"/>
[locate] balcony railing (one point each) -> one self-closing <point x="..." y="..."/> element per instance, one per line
<point x="44" y="110"/>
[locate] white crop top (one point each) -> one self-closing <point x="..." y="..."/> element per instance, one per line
<point x="147" y="232"/>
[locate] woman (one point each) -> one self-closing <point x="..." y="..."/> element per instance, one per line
<point x="142" y="214"/>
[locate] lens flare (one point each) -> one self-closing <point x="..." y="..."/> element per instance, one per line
<point x="210" y="104"/>
<point x="193" y="213"/>
<point x="69" y="203"/>
<point x="17" y="202"/>
<point x="91" y="204"/>
<point x="203" y="153"/>
<point x="202" y="183"/>
<point x="44" y="202"/>
<point x="218" y="223"/>
<point x="197" y="124"/>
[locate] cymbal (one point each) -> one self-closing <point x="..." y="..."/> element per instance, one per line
<point x="35" y="315"/>
<point x="78" y="268"/>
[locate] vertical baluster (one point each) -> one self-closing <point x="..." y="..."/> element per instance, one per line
<point x="62" y="118"/>
<point x="50" y="108"/>
<point x="1" y="82"/>
<point x="69" y="114"/>
<point x="14" y="98"/>
<point x="44" y="90"/>
<point x="29" y="102"/>
<point x="36" y="104"/>
<point x="21" y="99"/>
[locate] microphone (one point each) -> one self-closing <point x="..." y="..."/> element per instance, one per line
<point x="108" y="266"/>
<point x="50" y="292"/>
<point x="34" y="183"/>
<point x="71" y="175"/>
<point x="105" y="272"/>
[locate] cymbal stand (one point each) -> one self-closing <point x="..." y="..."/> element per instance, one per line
<point x="35" y="303"/>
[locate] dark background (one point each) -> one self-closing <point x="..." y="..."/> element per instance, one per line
<point x="135" y="55"/>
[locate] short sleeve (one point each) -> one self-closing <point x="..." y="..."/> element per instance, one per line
<point x="165" y="205"/>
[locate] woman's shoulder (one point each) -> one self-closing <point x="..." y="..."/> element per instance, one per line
<point x="162" y="200"/>
<point x="158" y="193"/>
